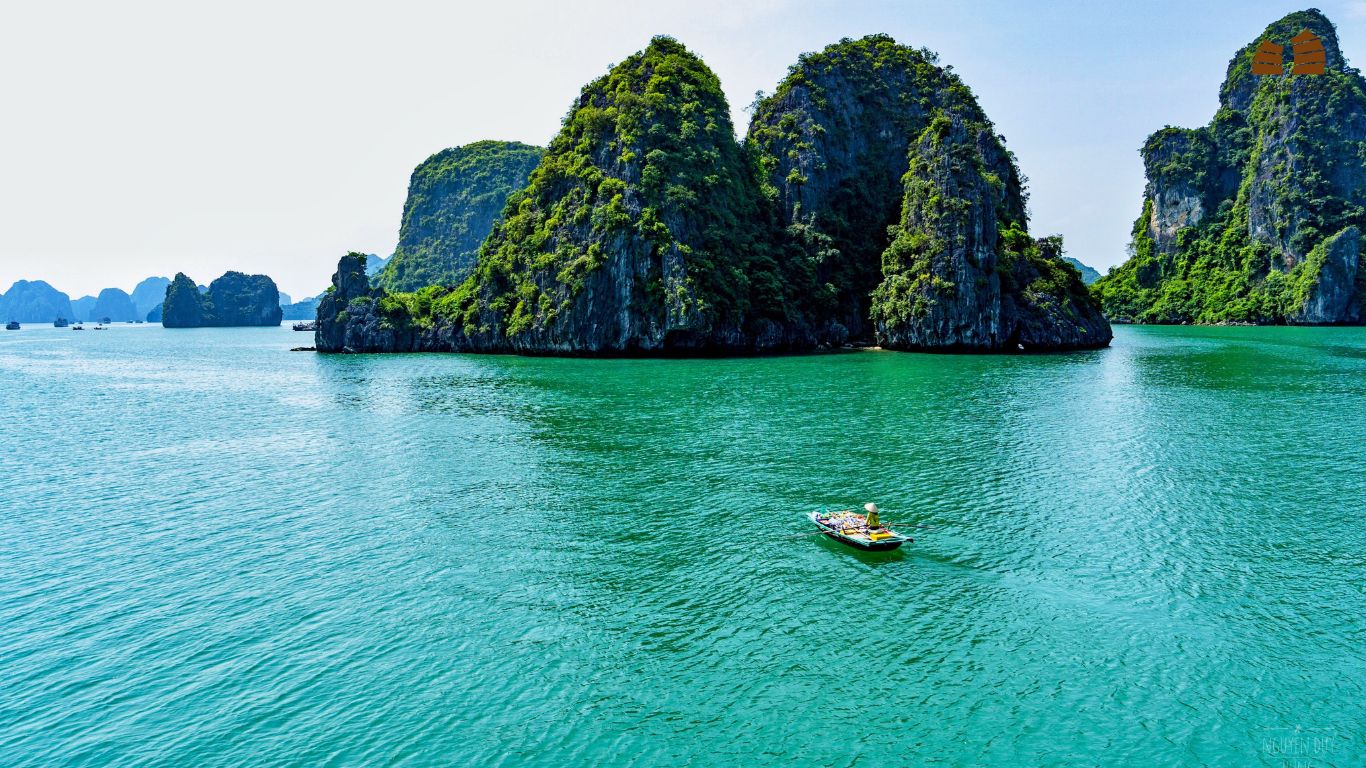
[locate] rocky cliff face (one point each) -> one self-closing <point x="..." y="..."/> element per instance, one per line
<point x="639" y="231"/>
<point x="238" y="299"/>
<point x="646" y="229"/>
<point x="1335" y="296"/>
<point x="1250" y="218"/>
<point x="183" y="306"/>
<point x="1045" y="305"/>
<point x="34" y="302"/>
<point x="453" y="199"/>
<point x="235" y="299"/>
<point x="831" y="146"/>
<point x="890" y="176"/>
<point x="941" y="286"/>
<point x="351" y="316"/>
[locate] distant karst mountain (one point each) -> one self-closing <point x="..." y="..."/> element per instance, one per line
<point x="1259" y="216"/>
<point x="34" y="302"/>
<point x="454" y="197"/>
<point x="1088" y="274"/>
<point x="871" y="201"/>
<point x="303" y="309"/>
<point x="235" y="299"/>
<point x="148" y="295"/>
<point x="374" y="265"/>
<point x="115" y="306"/>
<point x="80" y="308"/>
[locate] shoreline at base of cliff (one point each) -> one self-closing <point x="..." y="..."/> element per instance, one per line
<point x="357" y="318"/>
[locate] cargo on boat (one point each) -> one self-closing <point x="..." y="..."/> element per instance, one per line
<point x="852" y="528"/>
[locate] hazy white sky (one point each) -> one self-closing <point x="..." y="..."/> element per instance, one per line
<point x="144" y="138"/>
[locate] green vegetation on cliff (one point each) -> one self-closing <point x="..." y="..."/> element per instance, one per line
<point x="943" y="219"/>
<point x="453" y="199"/>
<point x="1255" y="218"/>
<point x="183" y="306"/>
<point x="830" y="145"/>
<point x="908" y="209"/>
<point x="1088" y="273"/>
<point x="643" y="201"/>
<point x="647" y="228"/>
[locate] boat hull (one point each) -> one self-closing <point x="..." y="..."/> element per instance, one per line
<point x="876" y="546"/>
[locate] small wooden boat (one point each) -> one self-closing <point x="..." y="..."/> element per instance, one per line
<point x="12" y="325"/>
<point x="849" y="527"/>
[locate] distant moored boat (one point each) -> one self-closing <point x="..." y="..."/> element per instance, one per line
<point x="60" y="323"/>
<point x="12" y="325"/>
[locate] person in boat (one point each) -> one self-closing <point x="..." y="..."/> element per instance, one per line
<point x="871" y="519"/>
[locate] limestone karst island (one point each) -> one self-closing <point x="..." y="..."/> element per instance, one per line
<point x="727" y="383"/>
<point x="1257" y="217"/>
<point x="870" y="200"/>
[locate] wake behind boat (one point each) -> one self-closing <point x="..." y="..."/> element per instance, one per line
<point x="864" y="532"/>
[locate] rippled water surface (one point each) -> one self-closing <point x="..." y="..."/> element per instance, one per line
<point x="216" y="552"/>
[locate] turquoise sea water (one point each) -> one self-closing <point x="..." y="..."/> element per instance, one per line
<point x="216" y="552"/>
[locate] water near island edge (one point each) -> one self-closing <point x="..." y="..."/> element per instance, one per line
<point x="217" y="552"/>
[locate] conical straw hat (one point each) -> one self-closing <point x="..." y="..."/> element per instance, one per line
<point x="871" y="507"/>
